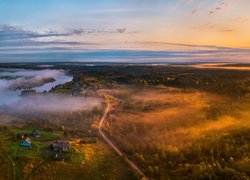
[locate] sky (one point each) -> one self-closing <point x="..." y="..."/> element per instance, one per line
<point x="125" y="30"/>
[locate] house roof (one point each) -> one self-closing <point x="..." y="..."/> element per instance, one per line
<point x="60" y="145"/>
<point x="28" y="140"/>
<point x="26" y="143"/>
<point x="36" y="132"/>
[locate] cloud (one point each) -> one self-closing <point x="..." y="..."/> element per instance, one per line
<point x="8" y="32"/>
<point x="121" y="30"/>
<point x="241" y="20"/>
<point x="207" y="47"/>
<point x="194" y="11"/>
<point x="216" y="27"/>
<point x="211" y="12"/>
<point x="227" y="30"/>
<point x="220" y="7"/>
<point x="33" y="43"/>
<point x="80" y="31"/>
<point x="75" y="31"/>
<point x="30" y="50"/>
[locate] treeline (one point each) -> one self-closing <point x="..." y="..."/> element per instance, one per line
<point x="234" y="84"/>
<point x="211" y="157"/>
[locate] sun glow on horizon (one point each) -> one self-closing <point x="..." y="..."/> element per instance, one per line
<point x="77" y="26"/>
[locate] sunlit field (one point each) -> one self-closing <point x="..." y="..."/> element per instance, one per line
<point x="170" y="131"/>
<point x="183" y="132"/>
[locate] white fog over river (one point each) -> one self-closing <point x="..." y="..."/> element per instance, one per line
<point x="13" y="81"/>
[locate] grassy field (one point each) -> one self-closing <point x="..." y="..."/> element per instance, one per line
<point x="93" y="161"/>
<point x="88" y="160"/>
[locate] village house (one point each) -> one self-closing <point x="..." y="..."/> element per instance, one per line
<point x="26" y="142"/>
<point x="60" y="146"/>
<point x="35" y="134"/>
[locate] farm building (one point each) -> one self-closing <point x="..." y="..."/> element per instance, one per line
<point x="60" y="146"/>
<point x="35" y="134"/>
<point x="26" y="142"/>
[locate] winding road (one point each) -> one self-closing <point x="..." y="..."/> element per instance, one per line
<point x="117" y="150"/>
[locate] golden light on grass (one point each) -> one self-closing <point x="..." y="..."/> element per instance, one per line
<point x="173" y="118"/>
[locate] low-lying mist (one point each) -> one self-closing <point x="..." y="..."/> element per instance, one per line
<point x="17" y="79"/>
<point x="172" y="116"/>
<point x="41" y="107"/>
<point x="52" y="103"/>
<point x="13" y="81"/>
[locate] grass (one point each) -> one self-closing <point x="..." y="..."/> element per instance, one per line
<point x="19" y="173"/>
<point x="5" y="170"/>
<point x="96" y="161"/>
<point x="87" y="161"/>
<point x="45" y="136"/>
<point x="77" y="158"/>
<point x="15" y="149"/>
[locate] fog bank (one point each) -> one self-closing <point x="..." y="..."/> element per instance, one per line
<point x="53" y="103"/>
<point x="13" y="81"/>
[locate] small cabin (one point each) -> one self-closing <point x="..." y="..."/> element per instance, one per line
<point x="60" y="146"/>
<point x="26" y="142"/>
<point x="36" y="134"/>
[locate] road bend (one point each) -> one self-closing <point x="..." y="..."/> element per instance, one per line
<point x="116" y="149"/>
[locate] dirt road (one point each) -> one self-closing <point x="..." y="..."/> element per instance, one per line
<point x="117" y="150"/>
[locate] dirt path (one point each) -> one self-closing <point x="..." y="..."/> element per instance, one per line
<point x="36" y="168"/>
<point x="117" y="150"/>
